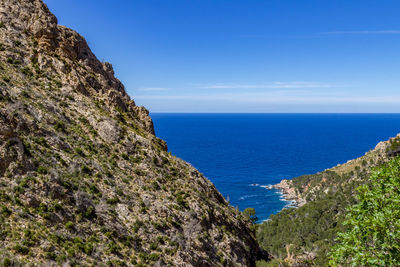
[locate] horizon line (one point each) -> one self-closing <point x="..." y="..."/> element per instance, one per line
<point x="366" y="113"/>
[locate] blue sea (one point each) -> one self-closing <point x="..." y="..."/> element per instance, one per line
<point x="242" y="153"/>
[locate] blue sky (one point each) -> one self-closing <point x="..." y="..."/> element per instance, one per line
<point x="247" y="55"/>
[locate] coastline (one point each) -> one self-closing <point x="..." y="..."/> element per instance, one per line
<point x="289" y="194"/>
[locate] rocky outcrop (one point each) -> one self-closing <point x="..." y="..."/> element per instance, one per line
<point x="289" y="193"/>
<point x="83" y="178"/>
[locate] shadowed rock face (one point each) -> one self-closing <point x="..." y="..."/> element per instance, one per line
<point x="83" y="178"/>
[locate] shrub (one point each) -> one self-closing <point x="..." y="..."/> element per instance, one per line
<point x="113" y="163"/>
<point x="250" y="213"/>
<point x="137" y="225"/>
<point x="58" y="84"/>
<point x="24" y="94"/>
<point x="112" y="201"/>
<point x="137" y="160"/>
<point x="181" y="200"/>
<point x="112" y="247"/>
<point x="88" y="248"/>
<point x="7" y="262"/>
<point x="5" y="211"/>
<point x="90" y="213"/>
<point x="373" y="236"/>
<point x="79" y="151"/>
<point x="140" y="172"/>
<point x="42" y="170"/>
<point x="6" y="79"/>
<point x="59" y="126"/>
<point x="154" y="257"/>
<point x="50" y="255"/>
<point x="21" y="249"/>
<point x="85" y="169"/>
<point x="69" y="225"/>
<point x="26" y="71"/>
<point x="153" y="246"/>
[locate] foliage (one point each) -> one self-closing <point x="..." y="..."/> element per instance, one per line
<point x="394" y="144"/>
<point x="312" y="227"/>
<point x="271" y="263"/>
<point x="250" y="213"/>
<point x="373" y="238"/>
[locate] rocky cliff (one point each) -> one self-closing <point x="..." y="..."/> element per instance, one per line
<point x="83" y="179"/>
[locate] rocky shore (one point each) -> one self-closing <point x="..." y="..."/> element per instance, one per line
<point x="289" y="193"/>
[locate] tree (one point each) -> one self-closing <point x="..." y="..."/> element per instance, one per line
<point x="250" y="213"/>
<point x="373" y="235"/>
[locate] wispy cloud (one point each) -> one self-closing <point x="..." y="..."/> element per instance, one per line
<point x="274" y="85"/>
<point x="278" y="99"/>
<point x="362" y="32"/>
<point x="153" y="89"/>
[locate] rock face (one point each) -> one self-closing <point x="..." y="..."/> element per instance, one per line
<point x="289" y="193"/>
<point x="83" y="178"/>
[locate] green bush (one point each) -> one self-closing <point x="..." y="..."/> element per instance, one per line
<point x="50" y="255"/>
<point x="5" y="211"/>
<point x="42" y="170"/>
<point x="137" y="225"/>
<point x="58" y="84"/>
<point x="154" y="257"/>
<point x="112" y="247"/>
<point x="69" y="225"/>
<point x="85" y="169"/>
<point x="7" y="262"/>
<point x="373" y="236"/>
<point x="21" y="249"/>
<point x="112" y="201"/>
<point x="26" y="71"/>
<point x="59" y="126"/>
<point x="250" y="213"/>
<point x="90" y="213"/>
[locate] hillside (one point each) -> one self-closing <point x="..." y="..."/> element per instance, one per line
<point x="304" y="236"/>
<point x="83" y="178"/>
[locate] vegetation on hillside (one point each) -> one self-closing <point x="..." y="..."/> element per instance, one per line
<point x="305" y="235"/>
<point x="83" y="179"/>
<point x="373" y="224"/>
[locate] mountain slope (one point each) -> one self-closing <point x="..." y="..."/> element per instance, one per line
<point x="305" y="235"/>
<point x="83" y="178"/>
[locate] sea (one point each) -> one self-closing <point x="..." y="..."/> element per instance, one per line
<point x="242" y="154"/>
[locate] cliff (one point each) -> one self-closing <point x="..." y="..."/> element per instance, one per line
<point x="83" y="178"/>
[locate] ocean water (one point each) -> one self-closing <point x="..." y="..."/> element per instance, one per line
<point x="242" y="153"/>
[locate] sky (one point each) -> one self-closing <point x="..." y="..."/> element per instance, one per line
<point x="247" y="56"/>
